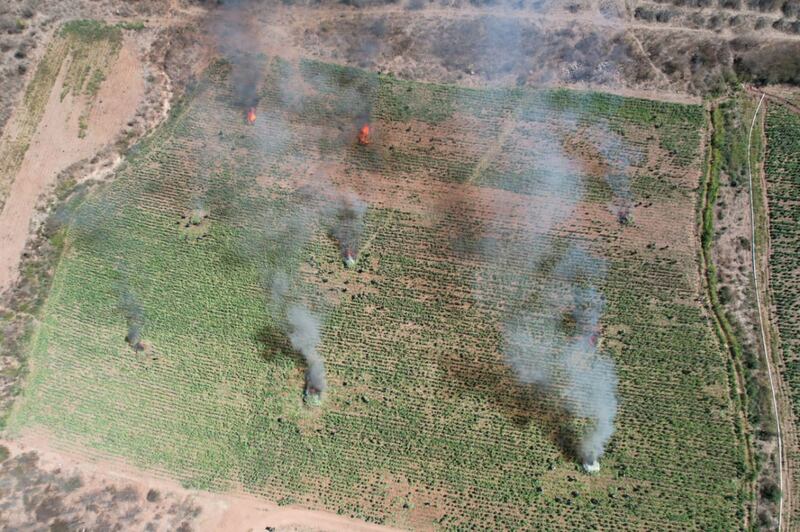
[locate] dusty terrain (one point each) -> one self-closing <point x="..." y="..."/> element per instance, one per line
<point x="56" y="145"/>
<point x="584" y="43"/>
<point x="68" y="488"/>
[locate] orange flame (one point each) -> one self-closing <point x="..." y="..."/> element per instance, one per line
<point x="363" y="135"/>
<point x="251" y="116"/>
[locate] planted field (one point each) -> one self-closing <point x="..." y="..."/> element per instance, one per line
<point x="782" y="170"/>
<point x="423" y="423"/>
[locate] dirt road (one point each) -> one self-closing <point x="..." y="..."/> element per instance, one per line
<point x="234" y="512"/>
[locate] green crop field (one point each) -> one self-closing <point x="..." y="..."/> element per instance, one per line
<point x="423" y="423"/>
<point x="782" y="169"/>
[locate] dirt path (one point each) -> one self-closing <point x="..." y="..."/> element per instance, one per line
<point x="234" y="512"/>
<point x="779" y="99"/>
<point x="764" y="345"/>
<point x="56" y="145"/>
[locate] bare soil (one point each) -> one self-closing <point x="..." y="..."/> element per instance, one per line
<point x="56" y="145"/>
<point x="58" y="486"/>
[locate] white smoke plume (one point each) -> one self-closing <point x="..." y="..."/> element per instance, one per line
<point x="303" y="328"/>
<point x="305" y="337"/>
<point x="617" y="160"/>
<point x="347" y="224"/>
<point x="550" y="286"/>
<point x="553" y="343"/>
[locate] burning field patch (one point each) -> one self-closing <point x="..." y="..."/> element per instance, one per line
<point x="497" y="329"/>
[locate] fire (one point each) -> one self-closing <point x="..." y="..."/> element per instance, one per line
<point x="251" y="116"/>
<point x="363" y="135"/>
<point x="349" y="258"/>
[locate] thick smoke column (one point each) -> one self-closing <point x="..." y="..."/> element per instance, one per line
<point x="305" y="337"/>
<point x="554" y="345"/>
<point x="303" y="329"/>
<point x="590" y="385"/>
<point x="546" y="283"/>
<point x="548" y="287"/>
<point x="134" y="316"/>
<point x="347" y="226"/>
<point x="591" y="377"/>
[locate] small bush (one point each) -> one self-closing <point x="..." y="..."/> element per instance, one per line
<point x="771" y="492"/>
<point x="133" y="26"/>
<point x="725" y="294"/>
<point x="9" y="25"/>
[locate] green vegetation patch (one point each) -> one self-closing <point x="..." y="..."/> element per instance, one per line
<point x="92" y="32"/>
<point x="782" y="169"/>
<point x="423" y="423"/>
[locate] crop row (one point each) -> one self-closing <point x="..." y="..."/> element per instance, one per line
<point x="423" y="420"/>
<point x="782" y="171"/>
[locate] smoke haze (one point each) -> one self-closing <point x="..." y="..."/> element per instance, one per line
<point x="304" y="333"/>
<point x="319" y="205"/>
<point x="134" y="316"/>
<point x="550" y="286"/>
<point x="552" y="300"/>
<point x="235" y="35"/>
<point x="347" y="225"/>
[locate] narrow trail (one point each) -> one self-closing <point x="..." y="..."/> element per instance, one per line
<point x="389" y="220"/>
<point x="508" y="126"/>
<point x="761" y="315"/>
<point x="657" y="71"/>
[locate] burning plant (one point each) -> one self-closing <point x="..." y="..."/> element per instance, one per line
<point x="348" y="226"/>
<point x="302" y="325"/>
<point x="305" y="336"/>
<point x="234" y="31"/>
<point x="624" y="216"/>
<point x="364" y="135"/>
